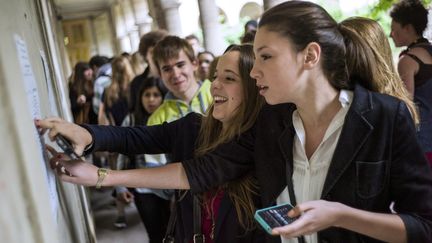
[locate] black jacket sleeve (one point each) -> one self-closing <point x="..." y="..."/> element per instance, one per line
<point x="411" y="180"/>
<point x="140" y="139"/>
<point x="227" y="162"/>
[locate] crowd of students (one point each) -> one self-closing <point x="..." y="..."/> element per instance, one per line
<point x="344" y="136"/>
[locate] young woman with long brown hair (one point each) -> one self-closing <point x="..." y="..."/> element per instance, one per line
<point x="227" y="210"/>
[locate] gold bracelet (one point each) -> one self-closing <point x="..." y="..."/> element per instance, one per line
<point x="102" y="173"/>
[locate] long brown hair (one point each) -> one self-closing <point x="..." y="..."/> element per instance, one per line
<point x="79" y="84"/>
<point x="211" y="134"/>
<point x="370" y="61"/>
<point x="122" y="74"/>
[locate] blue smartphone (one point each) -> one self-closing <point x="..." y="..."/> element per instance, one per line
<point x="65" y="145"/>
<point x="273" y="217"/>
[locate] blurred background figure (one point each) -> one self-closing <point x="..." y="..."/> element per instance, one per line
<point x="138" y="63"/>
<point x="251" y="25"/>
<point x="195" y="43"/>
<point x="248" y="37"/>
<point x="114" y="106"/>
<point x="250" y="29"/>
<point x="102" y="78"/>
<point x="81" y="94"/>
<point x="212" y="68"/>
<point x="204" y="60"/>
<point x="127" y="55"/>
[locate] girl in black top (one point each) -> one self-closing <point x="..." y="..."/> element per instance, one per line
<point x="81" y="94"/>
<point x="227" y="210"/>
<point x="409" y="20"/>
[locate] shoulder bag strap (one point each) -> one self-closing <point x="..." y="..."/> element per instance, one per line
<point x="292" y="196"/>
<point x="198" y="237"/>
<point x="169" y="234"/>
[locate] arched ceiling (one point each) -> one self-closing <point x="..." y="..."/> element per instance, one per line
<point x="73" y="9"/>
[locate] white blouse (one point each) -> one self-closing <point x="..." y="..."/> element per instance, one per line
<point x="309" y="174"/>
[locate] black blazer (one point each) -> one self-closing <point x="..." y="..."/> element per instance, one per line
<point x="177" y="138"/>
<point x="377" y="161"/>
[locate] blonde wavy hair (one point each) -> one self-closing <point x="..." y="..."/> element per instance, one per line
<point x="370" y="61"/>
<point x="122" y="74"/>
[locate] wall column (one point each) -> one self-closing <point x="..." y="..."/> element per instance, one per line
<point x="142" y="18"/>
<point x="170" y="9"/>
<point x="213" y="40"/>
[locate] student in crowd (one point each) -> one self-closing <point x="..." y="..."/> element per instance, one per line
<point x="249" y="33"/>
<point x="250" y="26"/>
<point x="81" y="94"/>
<point x="212" y="68"/>
<point x="195" y="43"/>
<point x="338" y="152"/>
<point x="137" y="63"/>
<point x="101" y="67"/>
<point x="150" y="97"/>
<point x="409" y="20"/>
<point x="379" y="74"/>
<point x="204" y="60"/>
<point x="176" y="63"/>
<point x="114" y="106"/>
<point x="145" y="48"/>
<point x="227" y="211"/>
<point x="248" y="37"/>
<point x="102" y="78"/>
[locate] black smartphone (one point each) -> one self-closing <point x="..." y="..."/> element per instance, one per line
<point x="66" y="146"/>
<point x="273" y="217"/>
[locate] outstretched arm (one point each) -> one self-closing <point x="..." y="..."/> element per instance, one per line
<point x="171" y="176"/>
<point x="157" y="139"/>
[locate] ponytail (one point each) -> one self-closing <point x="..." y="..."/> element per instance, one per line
<point x="370" y="60"/>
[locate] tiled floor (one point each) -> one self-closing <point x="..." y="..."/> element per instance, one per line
<point x="105" y="214"/>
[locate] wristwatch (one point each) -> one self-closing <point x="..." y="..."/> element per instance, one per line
<point x="102" y="173"/>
